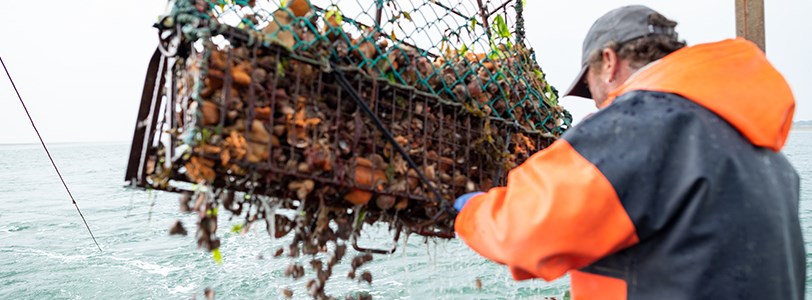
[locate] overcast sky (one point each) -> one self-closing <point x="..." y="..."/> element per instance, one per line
<point x="81" y="67"/>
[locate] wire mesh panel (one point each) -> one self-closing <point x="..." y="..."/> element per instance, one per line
<point x="464" y="50"/>
<point x="315" y="117"/>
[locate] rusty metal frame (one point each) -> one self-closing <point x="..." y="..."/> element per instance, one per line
<point x="146" y="121"/>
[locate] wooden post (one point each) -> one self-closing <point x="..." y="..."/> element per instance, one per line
<point x="750" y="21"/>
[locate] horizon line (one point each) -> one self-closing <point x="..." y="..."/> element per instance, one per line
<point x="62" y="142"/>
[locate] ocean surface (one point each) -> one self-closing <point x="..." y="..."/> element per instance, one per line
<point x="46" y="253"/>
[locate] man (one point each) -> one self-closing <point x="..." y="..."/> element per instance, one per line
<point x="674" y="189"/>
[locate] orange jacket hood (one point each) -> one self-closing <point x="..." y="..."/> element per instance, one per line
<point x="733" y="79"/>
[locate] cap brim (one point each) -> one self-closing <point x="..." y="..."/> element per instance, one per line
<point x="578" y="87"/>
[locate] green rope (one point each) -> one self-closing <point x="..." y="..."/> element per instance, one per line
<point x="519" y="22"/>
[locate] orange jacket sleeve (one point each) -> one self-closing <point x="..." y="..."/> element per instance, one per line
<point x="558" y="212"/>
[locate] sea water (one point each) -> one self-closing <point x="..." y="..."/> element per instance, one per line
<point x="46" y="252"/>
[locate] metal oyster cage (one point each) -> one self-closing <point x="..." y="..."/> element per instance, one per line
<point x="340" y="110"/>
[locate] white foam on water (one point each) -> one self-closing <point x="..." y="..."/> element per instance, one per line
<point x="146" y="266"/>
<point x="57" y="256"/>
<point x="181" y="289"/>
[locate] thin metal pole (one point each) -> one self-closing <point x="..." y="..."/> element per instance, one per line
<point x="378" y="12"/>
<point x="49" y="153"/>
<point x="502" y="6"/>
<point x="449" y="9"/>
<point x="484" y="15"/>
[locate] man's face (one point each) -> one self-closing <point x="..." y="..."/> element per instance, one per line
<point x="597" y="86"/>
<point x="608" y="75"/>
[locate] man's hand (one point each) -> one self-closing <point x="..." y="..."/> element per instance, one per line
<point x="462" y="200"/>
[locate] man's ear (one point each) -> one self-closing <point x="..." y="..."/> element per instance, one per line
<point x="610" y="65"/>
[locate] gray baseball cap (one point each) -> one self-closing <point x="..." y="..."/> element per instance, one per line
<point x="619" y="25"/>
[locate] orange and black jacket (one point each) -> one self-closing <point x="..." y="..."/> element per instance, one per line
<point x="675" y="190"/>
